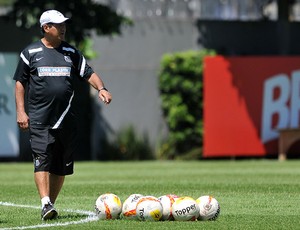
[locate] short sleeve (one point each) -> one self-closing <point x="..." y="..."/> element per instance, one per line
<point x="84" y="70"/>
<point x="22" y="72"/>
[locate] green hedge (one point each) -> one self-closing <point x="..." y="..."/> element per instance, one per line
<point x="181" y="85"/>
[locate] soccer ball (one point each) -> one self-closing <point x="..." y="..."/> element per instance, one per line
<point x="108" y="206"/>
<point x="209" y="208"/>
<point x="129" y="206"/>
<point x="185" y="208"/>
<point x="149" y="208"/>
<point x="167" y="202"/>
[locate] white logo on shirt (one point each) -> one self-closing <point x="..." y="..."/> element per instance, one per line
<point x="37" y="59"/>
<point x="54" y="71"/>
<point x="68" y="59"/>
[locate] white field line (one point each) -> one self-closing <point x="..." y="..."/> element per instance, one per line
<point x="91" y="216"/>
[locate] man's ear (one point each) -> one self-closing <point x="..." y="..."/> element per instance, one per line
<point x="46" y="27"/>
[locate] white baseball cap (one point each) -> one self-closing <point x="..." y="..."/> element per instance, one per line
<point x="52" y="16"/>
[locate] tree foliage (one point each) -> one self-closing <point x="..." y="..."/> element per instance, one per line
<point x="181" y="85"/>
<point x="86" y="16"/>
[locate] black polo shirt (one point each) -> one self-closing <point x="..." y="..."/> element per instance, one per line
<point x="49" y="74"/>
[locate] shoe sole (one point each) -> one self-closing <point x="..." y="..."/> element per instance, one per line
<point x="50" y="215"/>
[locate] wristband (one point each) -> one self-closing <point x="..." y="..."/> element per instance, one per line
<point x="103" y="88"/>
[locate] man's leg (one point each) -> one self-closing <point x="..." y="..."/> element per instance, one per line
<point x="48" y="184"/>
<point x="56" y="183"/>
<point x="42" y="183"/>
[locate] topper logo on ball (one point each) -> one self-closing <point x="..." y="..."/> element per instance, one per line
<point x="141" y="213"/>
<point x="281" y="104"/>
<point x="98" y="212"/>
<point x="185" y="210"/>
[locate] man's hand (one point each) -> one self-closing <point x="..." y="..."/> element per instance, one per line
<point x="105" y="96"/>
<point x="23" y="120"/>
<point x="22" y="117"/>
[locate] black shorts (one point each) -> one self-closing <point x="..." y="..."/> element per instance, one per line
<point x="53" y="149"/>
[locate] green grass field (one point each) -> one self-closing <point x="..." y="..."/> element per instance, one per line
<point x="253" y="194"/>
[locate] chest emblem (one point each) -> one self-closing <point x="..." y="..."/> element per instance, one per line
<point x="68" y="59"/>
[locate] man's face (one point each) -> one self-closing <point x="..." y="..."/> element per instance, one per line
<point x="57" y="31"/>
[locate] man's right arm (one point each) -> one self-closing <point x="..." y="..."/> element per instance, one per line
<point x="22" y="117"/>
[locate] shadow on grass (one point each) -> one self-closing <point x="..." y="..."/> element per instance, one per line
<point x="71" y="216"/>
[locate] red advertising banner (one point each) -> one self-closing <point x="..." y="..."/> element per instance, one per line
<point x="246" y="101"/>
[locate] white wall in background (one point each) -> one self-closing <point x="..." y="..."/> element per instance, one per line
<point x="9" y="134"/>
